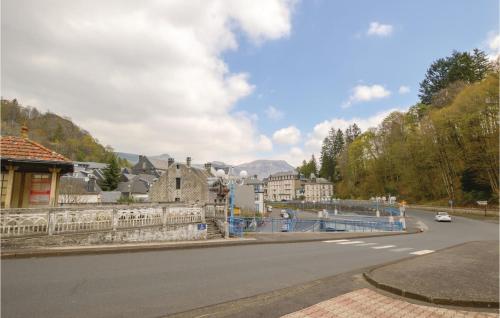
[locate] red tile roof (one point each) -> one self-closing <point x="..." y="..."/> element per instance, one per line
<point x="24" y="149"/>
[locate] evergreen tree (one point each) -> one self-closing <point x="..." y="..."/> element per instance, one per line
<point x="460" y="66"/>
<point x="111" y="175"/>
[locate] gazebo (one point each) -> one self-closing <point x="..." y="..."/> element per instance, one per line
<point x="30" y="172"/>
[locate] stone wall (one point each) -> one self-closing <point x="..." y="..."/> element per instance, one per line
<point x="193" y="189"/>
<point x="184" y="232"/>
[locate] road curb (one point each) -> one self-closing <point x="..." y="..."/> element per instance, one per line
<point x="136" y="249"/>
<point x="416" y="296"/>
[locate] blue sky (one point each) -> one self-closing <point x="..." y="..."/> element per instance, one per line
<point x="230" y="80"/>
<point x="310" y="74"/>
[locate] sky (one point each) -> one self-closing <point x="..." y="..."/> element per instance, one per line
<point x="232" y="81"/>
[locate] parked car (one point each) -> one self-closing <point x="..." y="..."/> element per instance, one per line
<point x="442" y="217"/>
<point x="284" y="214"/>
<point x="269" y="209"/>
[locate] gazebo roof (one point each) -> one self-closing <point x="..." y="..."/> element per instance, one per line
<point x="24" y="149"/>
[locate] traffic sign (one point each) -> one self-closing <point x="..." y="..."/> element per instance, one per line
<point x="482" y="202"/>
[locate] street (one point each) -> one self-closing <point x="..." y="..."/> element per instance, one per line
<point x="153" y="284"/>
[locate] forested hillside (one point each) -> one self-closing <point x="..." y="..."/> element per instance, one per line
<point x="57" y="133"/>
<point x="445" y="147"/>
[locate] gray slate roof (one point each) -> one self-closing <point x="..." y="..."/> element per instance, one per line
<point x="159" y="164"/>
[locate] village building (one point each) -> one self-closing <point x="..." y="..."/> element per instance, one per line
<point x="154" y="167"/>
<point x="284" y="186"/>
<point x="318" y="190"/>
<point x="182" y="182"/>
<point x="79" y="190"/>
<point x="258" y="193"/>
<point x="30" y="172"/>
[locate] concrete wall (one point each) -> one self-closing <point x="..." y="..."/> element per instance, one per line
<point x="148" y="234"/>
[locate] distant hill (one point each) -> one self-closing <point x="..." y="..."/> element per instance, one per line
<point x="263" y="168"/>
<point x="54" y="132"/>
<point x="133" y="158"/>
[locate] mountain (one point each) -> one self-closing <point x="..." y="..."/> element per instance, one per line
<point x="57" y="133"/>
<point x="263" y="168"/>
<point x="133" y="158"/>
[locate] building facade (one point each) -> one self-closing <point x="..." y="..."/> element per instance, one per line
<point x="318" y="190"/>
<point x="182" y="182"/>
<point x="258" y="191"/>
<point x="284" y="186"/>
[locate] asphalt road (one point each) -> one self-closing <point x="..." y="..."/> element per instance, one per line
<point x="153" y="284"/>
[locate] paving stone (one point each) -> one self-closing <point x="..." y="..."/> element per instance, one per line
<point x="368" y="303"/>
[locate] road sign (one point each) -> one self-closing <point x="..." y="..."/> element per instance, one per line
<point x="202" y="226"/>
<point x="482" y="202"/>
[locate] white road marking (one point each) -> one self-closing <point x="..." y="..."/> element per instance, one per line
<point x="422" y="252"/>
<point x="402" y="249"/>
<point x="334" y="241"/>
<point x="350" y="242"/>
<point x="384" y="246"/>
<point x="366" y="244"/>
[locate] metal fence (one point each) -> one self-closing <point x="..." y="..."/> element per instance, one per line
<point x="238" y="226"/>
<point x="25" y="222"/>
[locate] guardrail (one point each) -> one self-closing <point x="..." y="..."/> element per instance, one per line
<point x="25" y="222"/>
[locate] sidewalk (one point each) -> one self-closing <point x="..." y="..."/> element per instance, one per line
<point x="464" y="275"/>
<point x="251" y="238"/>
<point x="368" y="303"/>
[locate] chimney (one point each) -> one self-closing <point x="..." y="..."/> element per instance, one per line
<point x="24" y="131"/>
<point x="170" y="161"/>
<point x="188" y="162"/>
<point x="208" y="167"/>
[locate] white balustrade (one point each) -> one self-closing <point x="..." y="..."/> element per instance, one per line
<point x="24" y="222"/>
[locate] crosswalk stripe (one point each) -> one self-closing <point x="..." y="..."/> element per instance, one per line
<point x="384" y="246"/>
<point x="422" y="252"/>
<point x="366" y="244"/>
<point x="402" y="249"/>
<point x="334" y="241"/>
<point x="350" y="242"/>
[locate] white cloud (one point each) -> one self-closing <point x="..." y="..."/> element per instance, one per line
<point x="493" y="45"/>
<point x="145" y="77"/>
<point x="320" y="130"/>
<point x="379" y="29"/>
<point x="287" y="136"/>
<point x="365" y="93"/>
<point x="273" y="113"/>
<point x="403" y="89"/>
<point x="265" y="144"/>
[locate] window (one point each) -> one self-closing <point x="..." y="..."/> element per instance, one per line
<point x="177" y="183"/>
<point x="177" y="166"/>
<point x="177" y="199"/>
<point x="40" y="189"/>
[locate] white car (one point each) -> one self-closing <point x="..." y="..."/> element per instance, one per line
<point x="442" y="217"/>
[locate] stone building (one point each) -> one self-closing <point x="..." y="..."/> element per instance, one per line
<point x="182" y="182"/>
<point x="30" y="172"/>
<point x="154" y="167"/>
<point x="318" y="190"/>
<point x="284" y="186"/>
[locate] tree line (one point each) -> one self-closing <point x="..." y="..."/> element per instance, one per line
<point x="56" y="133"/>
<point x="443" y="148"/>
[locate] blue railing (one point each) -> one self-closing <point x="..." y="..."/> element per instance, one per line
<point x="240" y="225"/>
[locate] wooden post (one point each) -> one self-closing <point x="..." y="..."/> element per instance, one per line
<point x="53" y="186"/>
<point x="10" y="186"/>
